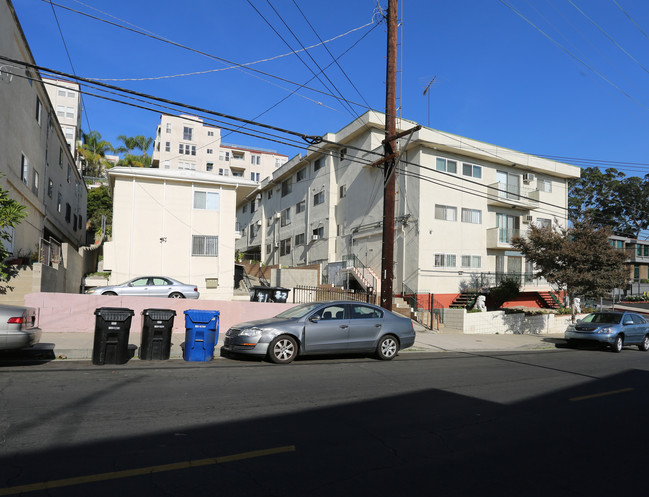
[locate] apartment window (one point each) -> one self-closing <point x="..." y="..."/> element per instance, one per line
<point x="255" y="159"/>
<point x="39" y="110"/>
<point x="343" y="191"/>
<point x="319" y="232"/>
<point x="60" y="156"/>
<point x="253" y="233"/>
<point x="473" y="216"/>
<point x="167" y="165"/>
<point x="445" y="260"/>
<point x="210" y="151"/>
<point x="508" y="185"/>
<point x="80" y="221"/>
<point x="471" y="170"/>
<point x="278" y="162"/>
<point x="299" y="239"/>
<point x="544" y="185"/>
<point x="448" y="166"/>
<point x="210" y="133"/>
<point x="317" y="165"/>
<point x="205" y="245"/>
<point x="24" y="169"/>
<point x="50" y="188"/>
<point x="254" y="176"/>
<point x="269" y="220"/>
<point x="68" y="212"/>
<point x="543" y="223"/>
<point x="445" y="212"/>
<point x="60" y="110"/>
<point x="209" y="166"/>
<point x="168" y="127"/>
<point x="318" y="198"/>
<point x="269" y="248"/>
<point x="253" y="206"/>
<point x="61" y="92"/>
<point x="285" y="247"/>
<point x="220" y="171"/>
<point x="287" y="187"/>
<point x="238" y="155"/>
<point x="339" y="229"/>
<point x="224" y="156"/>
<point x="269" y="193"/>
<point x="167" y="146"/>
<point x="69" y="173"/>
<point x="285" y="218"/>
<point x="471" y="261"/>
<point x="59" y="202"/>
<point x="74" y="222"/>
<point x="301" y="174"/>
<point x="343" y="153"/>
<point x="206" y="201"/>
<point x="69" y="112"/>
<point x="187" y="133"/>
<point x="191" y="166"/>
<point x="37" y="180"/>
<point x="300" y="207"/>
<point x="245" y="208"/>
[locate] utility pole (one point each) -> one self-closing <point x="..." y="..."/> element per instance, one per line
<point x="387" y="257"/>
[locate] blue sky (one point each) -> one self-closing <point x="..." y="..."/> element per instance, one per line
<point x="564" y="78"/>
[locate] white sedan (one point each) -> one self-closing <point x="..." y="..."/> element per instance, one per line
<point x="150" y="286"/>
<point x="18" y="327"/>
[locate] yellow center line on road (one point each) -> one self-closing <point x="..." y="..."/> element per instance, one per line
<point x="596" y="395"/>
<point x="79" y="480"/>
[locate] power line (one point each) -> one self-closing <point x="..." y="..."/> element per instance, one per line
<point x="200" y="52"/>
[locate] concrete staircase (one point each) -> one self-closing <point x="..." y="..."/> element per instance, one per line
<point x="464" y="299"/>
<point x="548" y="301"/>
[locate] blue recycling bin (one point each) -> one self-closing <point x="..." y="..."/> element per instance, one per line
<point x="201" y="334"/>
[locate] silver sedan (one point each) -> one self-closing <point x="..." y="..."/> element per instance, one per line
<point x="612" y="328"/>
<point x="150" y="286"/>
<point x="322" y="328"/>
<point x="18" y="327"/>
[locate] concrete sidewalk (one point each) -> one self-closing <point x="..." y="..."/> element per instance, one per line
<point x="79" y="345"/>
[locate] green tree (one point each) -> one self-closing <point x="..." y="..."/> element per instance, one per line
<point x="100" y="203"/>
<point x="579" y="259"/>
<point x="11" y="214"/>
<point x="93" y="152"/>
<point x="143" y="143"/>
<point x="130" y="143"/>
<point x="610" y="199"/>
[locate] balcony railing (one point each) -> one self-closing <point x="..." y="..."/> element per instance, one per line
<point x="502" y="237"/>
<point x="505" y="195"/>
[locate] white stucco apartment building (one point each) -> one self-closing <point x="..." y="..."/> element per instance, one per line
<point x="185" y="142"/>
<point x="36" y="164"/>
<point x="175" y="223"/>
<point x="66" y="100"/>
<point x="459" y="202"/>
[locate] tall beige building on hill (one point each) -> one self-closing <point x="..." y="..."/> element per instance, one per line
<point x="185" y="142"/>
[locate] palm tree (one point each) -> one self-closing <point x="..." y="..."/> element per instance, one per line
<point x="143" y="143"/>
<point x="93" y="151"/>
<point x="128" y="144"/>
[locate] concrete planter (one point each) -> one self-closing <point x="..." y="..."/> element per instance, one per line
<point x="499" y="322"/>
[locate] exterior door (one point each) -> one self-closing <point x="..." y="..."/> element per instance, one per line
<point x="327" y="330"/>
<point x="365" y="325"/>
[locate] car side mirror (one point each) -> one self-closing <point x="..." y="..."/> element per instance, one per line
<point x="626" y="323"/>
<point x="314" y="319"/>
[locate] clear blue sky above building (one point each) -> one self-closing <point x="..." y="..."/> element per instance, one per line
<point x="561" y="78"/>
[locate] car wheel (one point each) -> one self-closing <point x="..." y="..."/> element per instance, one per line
<point x="387" y="348"/>
<point x="617" y="344"/>
<point x="282" y="350"/>
<point x="644" y="345"/>
<point x="176" y="295"/>
<point x="113" y="294"/>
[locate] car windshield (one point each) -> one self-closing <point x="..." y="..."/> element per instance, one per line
<point x="297" y="312"/>
<point x="602" y="317"/>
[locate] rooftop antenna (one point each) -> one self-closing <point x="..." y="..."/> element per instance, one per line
<point x="426" y="91"/>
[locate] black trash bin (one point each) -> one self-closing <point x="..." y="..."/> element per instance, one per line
<point x="112" y="327"/>
<point x="276" y="294"/>
<point x="156" y="334"/>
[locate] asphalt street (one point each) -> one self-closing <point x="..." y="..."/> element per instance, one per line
<point x="554" y="421"/>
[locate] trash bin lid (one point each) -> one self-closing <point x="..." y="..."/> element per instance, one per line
<point x="159" y="314"/>
<point x="114" y="313"/>
<point x="200" y="315"/>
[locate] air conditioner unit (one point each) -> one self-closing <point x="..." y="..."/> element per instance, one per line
<point x="315" y="237"/>
<point x="259" y="222"/>
<point x="276" y="244"/>
<point x="527" y="177"/>
<point x="278" y="215"/>
<point x="258" y="197"/>
<point x="527" y="219"/>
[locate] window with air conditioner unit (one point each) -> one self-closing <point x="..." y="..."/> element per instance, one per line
<point x="528" y="177"/>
